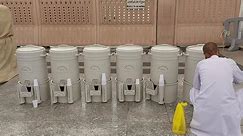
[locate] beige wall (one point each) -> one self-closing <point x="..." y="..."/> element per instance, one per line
<point x="241" y="8"/>
<point x="166" y="21"/>
<point x="241" y="15"/>
<point x="83" y="22"/>
<point x="196" y="21"/>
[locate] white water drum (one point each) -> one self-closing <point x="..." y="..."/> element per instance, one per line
<point x="64" y="65"/>
<point x="165" y="61"/>
<point x="31" y="63"/>
<point x="129" y="62"/>
<point x="129" y="65"/>
<point x="194" y="54"/>
<point x="96" y="62"/>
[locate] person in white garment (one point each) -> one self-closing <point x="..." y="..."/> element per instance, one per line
<point x="216" y="107"/>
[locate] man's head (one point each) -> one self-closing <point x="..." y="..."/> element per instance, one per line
<point x="210" y="49"/>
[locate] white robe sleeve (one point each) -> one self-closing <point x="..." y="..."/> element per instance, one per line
<point x="238" y="78"/>
<point x="196" y="86"/>
<point x="237" y="73"/>
<point x="239" y="94"/>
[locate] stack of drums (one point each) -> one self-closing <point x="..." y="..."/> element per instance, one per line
<point x="165" y="62"/>
<point x="64" y="65"/>
<point x="96" y="63"/>
<point x="31" y="62"/>
<point x="194" y="54"/>
<point x="129" y="66"/>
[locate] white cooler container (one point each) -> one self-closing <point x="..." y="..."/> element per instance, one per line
<point x="194" y="54"/>
<point x="129" y="72"/>
<point x="164" y="64"/>
<point x="33" y="76"/>
<point x="65" y="84"/>
<point x="97" y="73"/>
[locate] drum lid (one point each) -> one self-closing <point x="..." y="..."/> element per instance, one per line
<point x="165" y="48"/>
<point x="30" y="49"/>
<point x="63" y="49"/>
<point x="129" y="48"/>
<point x="96" y="48"/>
<point x="195" y="48"/>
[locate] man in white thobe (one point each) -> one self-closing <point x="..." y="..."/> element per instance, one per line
<point x="216" y="107"/>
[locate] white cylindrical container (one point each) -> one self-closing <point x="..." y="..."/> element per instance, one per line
<point x="164" y="61"/>
<point x="96" y="62"/>
<point x="64" y="65"/>
<point x="31" y="65"/>
<point x="129" y="65"/>
<point x="129" y="62"/>
<point x="194" y="54"/>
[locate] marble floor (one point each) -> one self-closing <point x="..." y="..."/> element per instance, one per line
<point x="93" y="119"/>
<point x="81" y="119"/>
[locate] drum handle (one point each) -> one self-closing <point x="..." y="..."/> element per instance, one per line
<point x="144" y="53"/>
<point x="180" y="54"/>
<point x="112" y="54"/>
<point x="185" y="54"/>
<point x="149" y="53"/>
<point x="44" y="55"/>
<point x="79" y="54"/>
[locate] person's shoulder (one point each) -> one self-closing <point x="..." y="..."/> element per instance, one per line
<point x="230" y="61"/>
<point x="205" y="61"/>
<point x="201" y="62"/>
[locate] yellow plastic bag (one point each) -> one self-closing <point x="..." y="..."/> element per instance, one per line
<point x="179" y="121"/>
